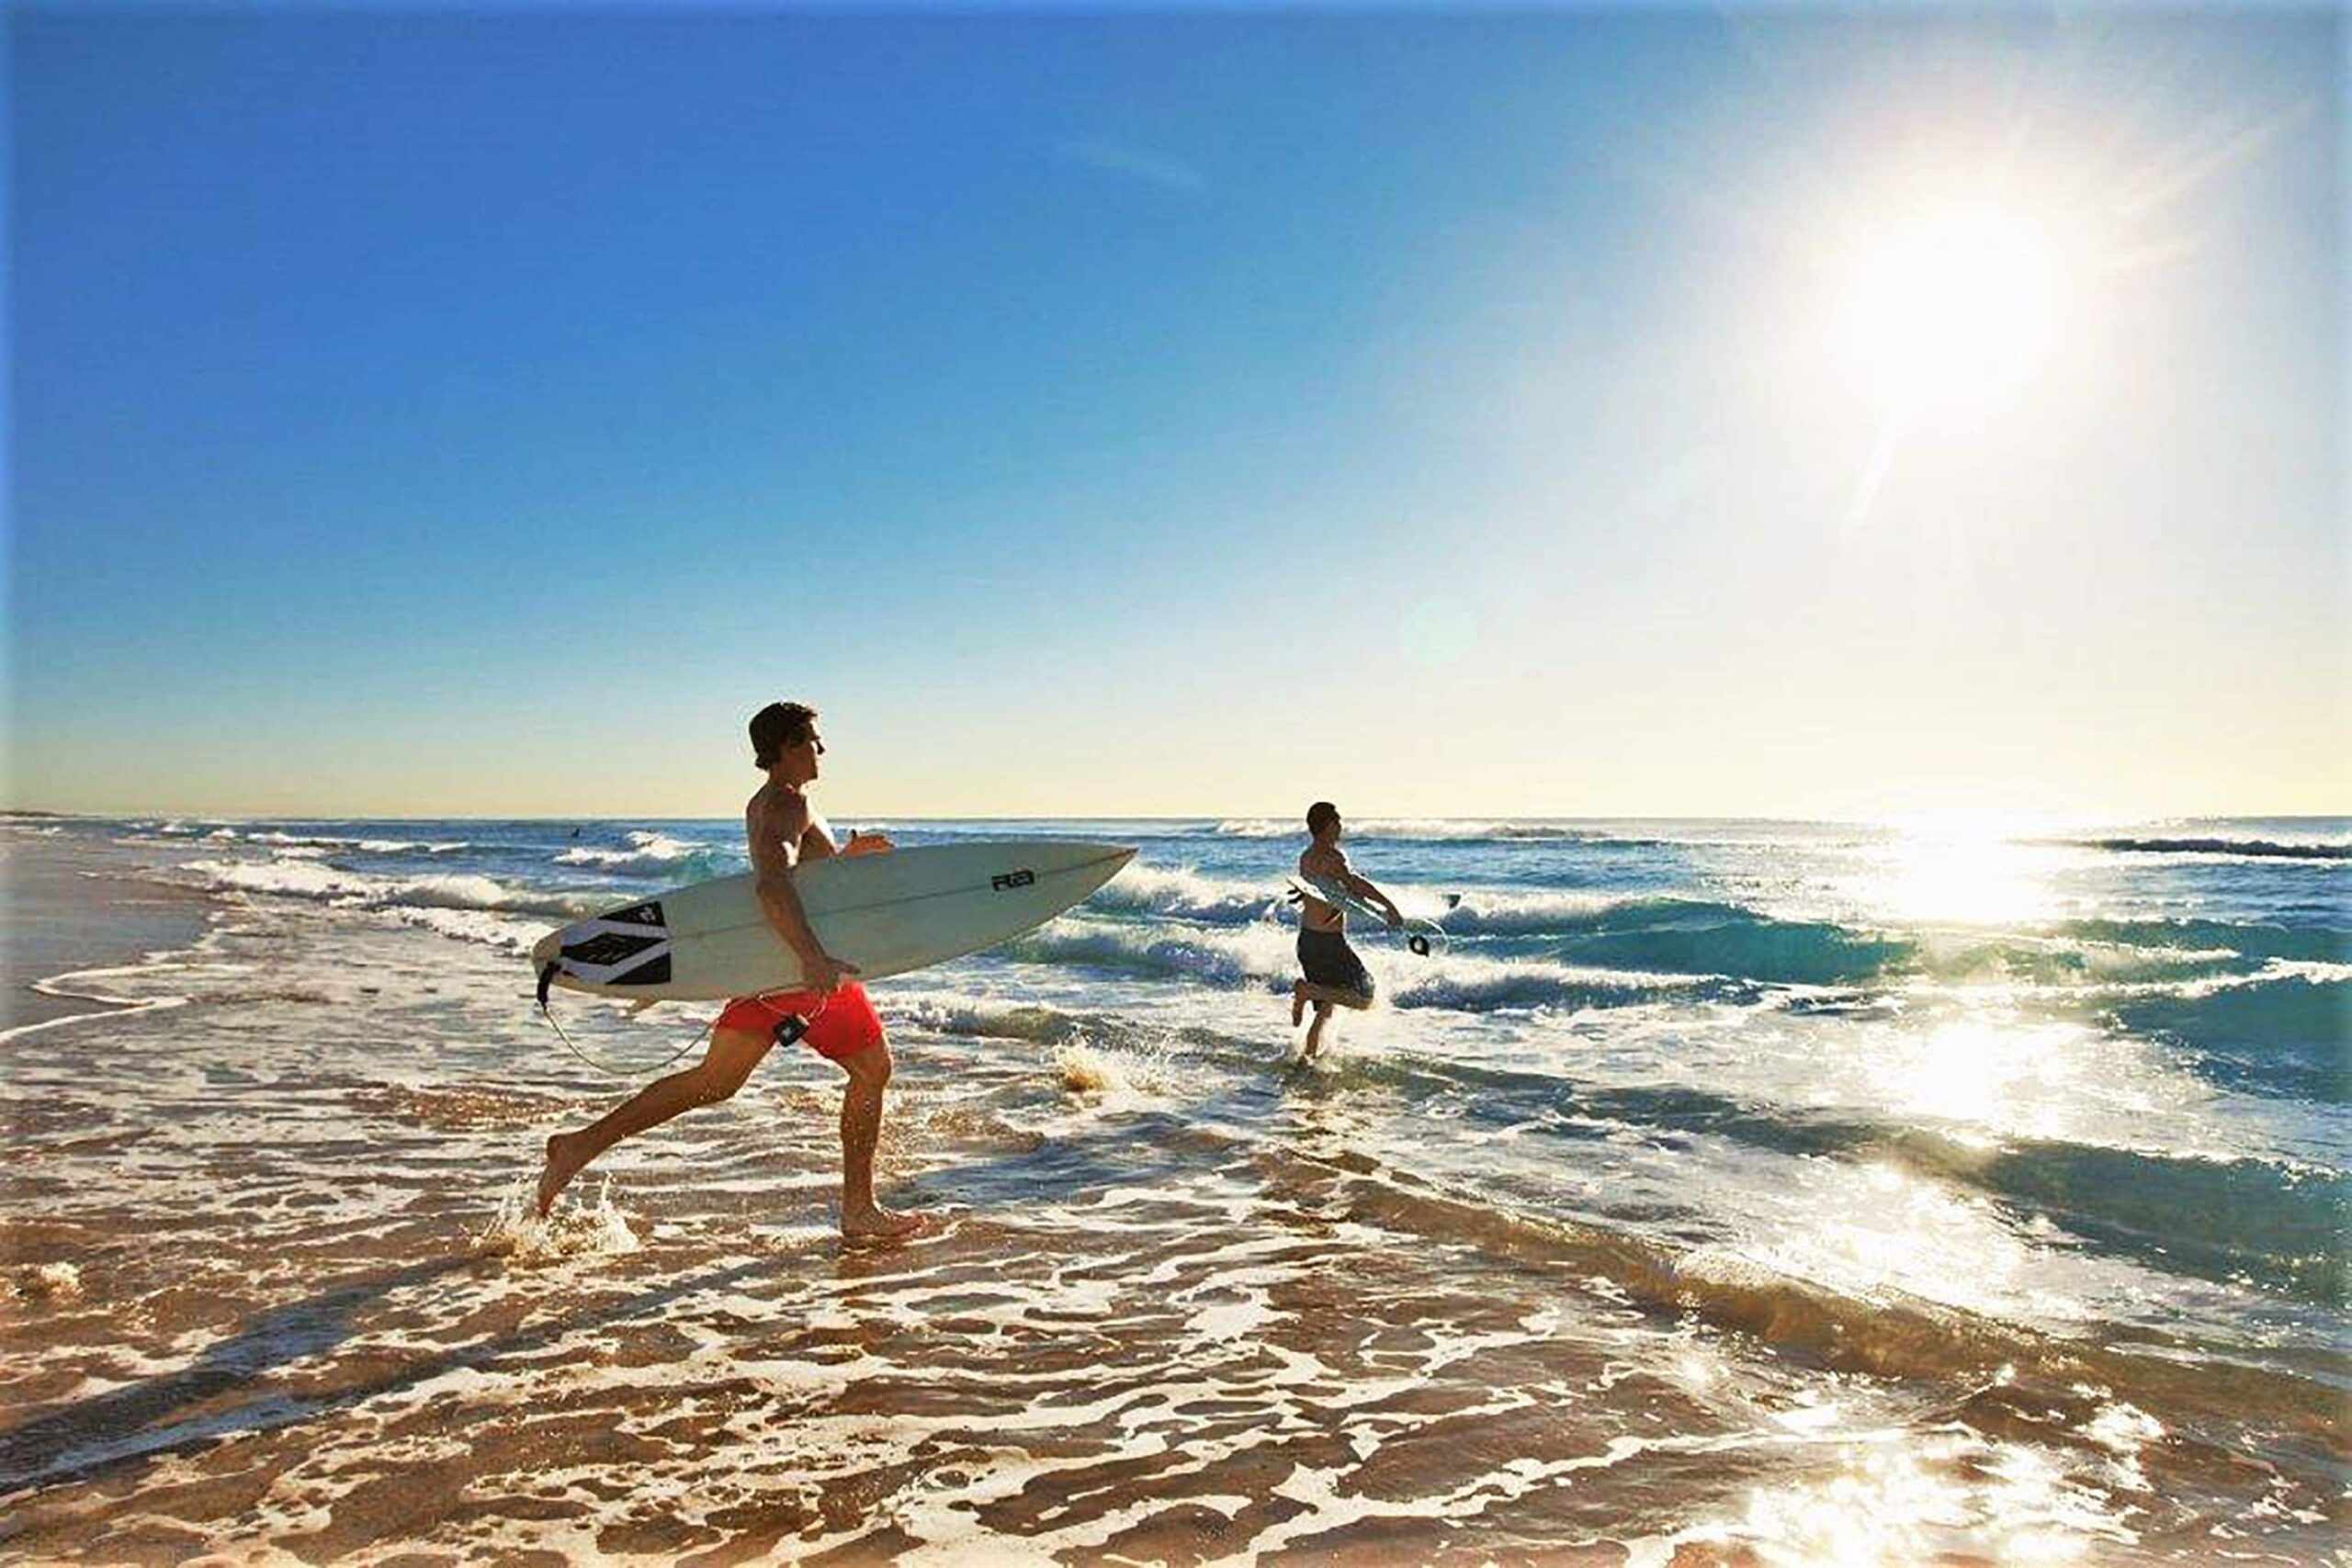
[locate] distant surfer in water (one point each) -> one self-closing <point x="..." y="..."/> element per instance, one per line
<point x="1334" y="975"/>
<point x="841" y="1023"/>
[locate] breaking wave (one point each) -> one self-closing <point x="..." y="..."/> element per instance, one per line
<point x="1448" y="829"/>
<point x="2283" y="1036"/>
<point x="651" y="855"/>
<point x="1265" y="955"/>
<point x="326" y="884"/>
<point x="2257" y="849"/>
<point x="1186" y="895"/>
<point x="279" y="840"/>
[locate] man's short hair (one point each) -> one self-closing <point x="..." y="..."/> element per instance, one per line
<point x="776" y="726"/>
<point x="1321" y="815"/>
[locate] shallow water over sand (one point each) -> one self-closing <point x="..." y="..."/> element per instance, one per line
<point x="1487" y="1284"/>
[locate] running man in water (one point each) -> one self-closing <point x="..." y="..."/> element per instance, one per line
<point x="842" y="1025"/>
<point x="1335" y="976"/>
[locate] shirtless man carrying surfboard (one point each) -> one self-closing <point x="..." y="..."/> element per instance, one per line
<point x="1335" y="976"/>
<point x="841" y="1023"/>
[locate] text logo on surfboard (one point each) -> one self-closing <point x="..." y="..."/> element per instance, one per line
<point x="1012" y="879"/>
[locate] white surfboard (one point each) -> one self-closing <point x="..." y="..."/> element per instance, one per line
<point x="1424" y="937"/>
<point x="885" y="913"/>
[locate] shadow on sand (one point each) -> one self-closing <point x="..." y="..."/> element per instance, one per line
<point x="104" y="1435"/>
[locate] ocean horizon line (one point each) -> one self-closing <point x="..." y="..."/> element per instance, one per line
<point x="1987" y="823"/>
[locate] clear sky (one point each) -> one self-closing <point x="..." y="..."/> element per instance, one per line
<point x="1628" y="411"/>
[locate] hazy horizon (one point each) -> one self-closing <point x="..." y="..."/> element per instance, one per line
<point x="1958" y="824"/>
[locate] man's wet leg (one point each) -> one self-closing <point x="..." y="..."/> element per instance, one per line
<point x="732" y="1054"/>
<point x="869" y="1075"/>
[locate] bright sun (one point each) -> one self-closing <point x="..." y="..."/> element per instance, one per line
<point x="1953" y="301"/>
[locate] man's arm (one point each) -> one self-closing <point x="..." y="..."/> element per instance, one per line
<point x="1365" y="890"/>
<point x="772" y="865"/>
<point x="817" y="843"/>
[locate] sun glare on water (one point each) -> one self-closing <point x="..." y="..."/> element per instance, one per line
<point x="1965" y="869"/>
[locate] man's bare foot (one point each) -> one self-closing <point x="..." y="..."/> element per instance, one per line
<point x="561" y="1167"/>
<point x="1297" y="1002"/>
<point x="878" y="1223"/>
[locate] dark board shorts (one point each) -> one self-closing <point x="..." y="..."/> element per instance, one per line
<point x="1328" y="960"/>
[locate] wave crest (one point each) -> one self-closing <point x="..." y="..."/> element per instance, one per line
<point x="1185" y="894"/>
<point x="2258" y="849"/>
<point x="326" y="884"/>
<point x="1453" y="829"/>
<point x="1264" y="954"/>
<point x="647" y="854"/>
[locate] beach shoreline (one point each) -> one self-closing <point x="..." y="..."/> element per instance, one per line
<point x="77" y="906"/>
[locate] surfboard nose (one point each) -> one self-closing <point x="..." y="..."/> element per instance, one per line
<point x="1099" y="870"/>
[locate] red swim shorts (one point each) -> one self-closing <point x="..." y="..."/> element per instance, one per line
<point x="840" y="1025"/>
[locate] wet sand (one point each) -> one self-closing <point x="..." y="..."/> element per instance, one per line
<point x="74" y="905"/>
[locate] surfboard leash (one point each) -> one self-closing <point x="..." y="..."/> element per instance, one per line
<point x="547" y="979"/>
<point x="788" y="1030"/>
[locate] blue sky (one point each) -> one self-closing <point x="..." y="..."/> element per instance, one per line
<point x="430" y="412"/>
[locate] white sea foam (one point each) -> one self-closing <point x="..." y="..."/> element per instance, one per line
<point x="1265" y="952"/>
<point x="649" y="853"/>
<point x="48" y="1283"/>
<point x="1085" y="1070"/>
<point x="1508" y="912"/>
<point x="1186" y="894"/>
<point x="575" y="1229"/>
<point x="323" y="884"/>
<point x="1232" y="956"/>
<point x="1259" y="828"/>
<point x="1436" y="828"/>
<point x="1472" y="984"/>
<point x="987" y="1020"/>
<point x="366" y="846"/>
<point x="128" y="986"/>
<point x="487" y="928"/>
